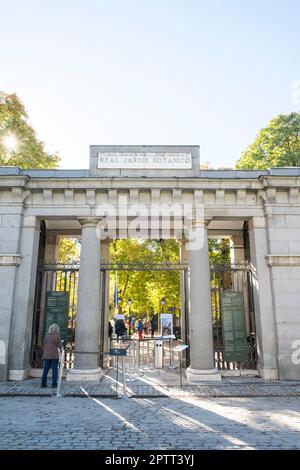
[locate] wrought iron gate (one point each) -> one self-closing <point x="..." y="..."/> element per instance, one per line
<point x="64" y="277"/>
<point x="235" y="277"/>
<point x="60" y="278"/>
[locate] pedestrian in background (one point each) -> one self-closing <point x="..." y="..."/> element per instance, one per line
<point x="120" y="328"/>
<point x="152" y="325"/>
<point x="110" y="329"/>
<point x="140" y="328"/>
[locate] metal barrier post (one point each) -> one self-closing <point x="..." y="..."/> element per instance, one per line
<point x="61" y="369"/>
<point x="172" y="362"/>
<point x="135" y="358"/>
<point x="123" y="371"/>
<point x="117" y="375"/>
<point x="130" y="379"/>
<point x="148" y="352"/>
<point x="153" y="353"/>
<point x="130" y="360"/>
<point x="134" y="355"/>
<point x="138" y="355"/>
<point x="180" y="368"/>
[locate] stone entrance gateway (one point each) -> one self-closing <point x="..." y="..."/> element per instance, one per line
<point x="125" y="188"/>
<point x="63" y="279"/>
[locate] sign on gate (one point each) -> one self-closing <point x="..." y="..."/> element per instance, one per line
<point x="166" y="324"/>
<point x="57" y="311"/>
<point x="233" y="327"/>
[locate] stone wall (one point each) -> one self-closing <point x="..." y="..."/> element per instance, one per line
<point x="284" y="263"/>
<point x="10" y="229"/>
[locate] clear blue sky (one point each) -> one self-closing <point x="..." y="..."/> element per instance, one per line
<point x="210" y="72"/>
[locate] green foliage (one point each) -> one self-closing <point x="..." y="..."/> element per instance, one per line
<point x="219" y="251"/>
<point x="69" y="250"/>
<point x="28" y="151"/>
<point x="276" y="145"/>
<point x="146" y="288"/>
<point x="219" y="254"/>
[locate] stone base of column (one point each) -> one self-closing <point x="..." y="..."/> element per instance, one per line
<point x="195" y="376"/>
<point x="18" y="374"/>
<point x="268" y="373"/>
<point x="92" y="375"/>
<point x="106" y="362"/>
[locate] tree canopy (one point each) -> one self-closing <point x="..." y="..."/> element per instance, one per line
<point x="19" y="145"/>
<point x="146" y="288"/>
<point x="276" y="145"/>
<point x="219" y="251"/>
<point x="69" y="250"/>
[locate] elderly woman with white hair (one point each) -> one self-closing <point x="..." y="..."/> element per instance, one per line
<point x="51" y="347"/>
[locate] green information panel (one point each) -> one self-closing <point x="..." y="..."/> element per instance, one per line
<point x="233" y="327"/>
<point x="57" y="311"/>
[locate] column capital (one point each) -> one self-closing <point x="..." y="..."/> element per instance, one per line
<point x="89" y="222"/>
<point x="202" y="223"/>
<point x="257" y="222"/>
<point x="31" y="221"/>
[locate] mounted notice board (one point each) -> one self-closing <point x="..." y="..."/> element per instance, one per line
<point x="234" y="327"/>
<point x="57" y="311"/>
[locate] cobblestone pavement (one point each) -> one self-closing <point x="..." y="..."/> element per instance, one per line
<point x="234" y="387"/>
<point x="150" y="423"/>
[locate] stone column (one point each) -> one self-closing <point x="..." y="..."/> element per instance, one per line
<point x="184" y="258"/>
<point x="105" y="257"/>
<point x="51" y="248"/>
<point x="87" y="332"/>
<point x="23" y="305"/>
<point x="237" y="248"/>
<point x="200" y="321"/>
<point x="263" y="300"/>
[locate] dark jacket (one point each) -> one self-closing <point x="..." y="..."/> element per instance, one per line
<point x="120" y="328"/>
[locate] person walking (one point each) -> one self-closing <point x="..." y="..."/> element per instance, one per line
<point x="51" y="347"/>
<point x="140" y="328"/>
<point x="133" y="325"/>
<point x="110" y="329"/>
<point x="120" y="328"/>
<point x="152" y="325"/>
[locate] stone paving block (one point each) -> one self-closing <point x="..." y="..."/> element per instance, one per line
<point x="196" y="423"/>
